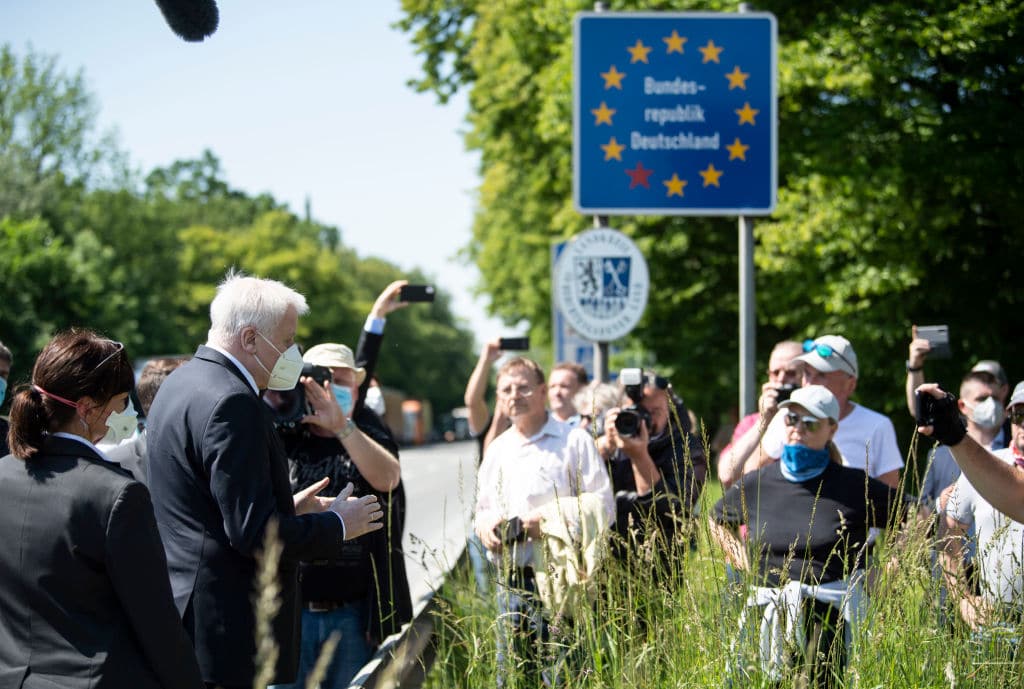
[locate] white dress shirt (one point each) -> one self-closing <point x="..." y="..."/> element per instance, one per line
<point x="520" y="475"/>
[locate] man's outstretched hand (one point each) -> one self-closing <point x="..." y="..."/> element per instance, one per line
<point x="361" y="515"/>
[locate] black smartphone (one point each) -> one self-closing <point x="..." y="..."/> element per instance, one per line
<point x="416" y="293"/>
<point x="925" y="408"/>
<point x="938" y="337"/>
<point x="514" y="344"/>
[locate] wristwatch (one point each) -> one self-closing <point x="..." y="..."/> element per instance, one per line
<point x="345" y="432"/>
<point x="911" y="369"/>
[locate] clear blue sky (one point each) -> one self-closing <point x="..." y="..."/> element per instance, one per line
<point x="296" y="99"/>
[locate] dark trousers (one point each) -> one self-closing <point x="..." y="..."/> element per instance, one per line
<point x="824" y="657"/>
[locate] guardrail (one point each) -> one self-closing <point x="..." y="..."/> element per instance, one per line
<point x="404" y="658"/>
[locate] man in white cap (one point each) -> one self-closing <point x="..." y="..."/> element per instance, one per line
<point x="866" y="439"/>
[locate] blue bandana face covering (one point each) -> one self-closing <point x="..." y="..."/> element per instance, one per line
<point x="344" y="397"/>
<point x="801" y="463"/>
<point x="3" y="389"/>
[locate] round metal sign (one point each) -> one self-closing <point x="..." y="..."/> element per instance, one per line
<point x="601" y="284"/>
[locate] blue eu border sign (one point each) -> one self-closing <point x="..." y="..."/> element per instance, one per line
<point x="675" y="113"/>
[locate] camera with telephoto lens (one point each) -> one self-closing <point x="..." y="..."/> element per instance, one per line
<point x="628" y="421"/>
<point x="290" y="406"/>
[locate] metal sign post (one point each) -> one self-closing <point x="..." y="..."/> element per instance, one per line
<point x="675" y="114"/>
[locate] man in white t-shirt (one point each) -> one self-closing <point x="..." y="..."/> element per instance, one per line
<point x="866" y="439"/>
<point x="999" y="539"/>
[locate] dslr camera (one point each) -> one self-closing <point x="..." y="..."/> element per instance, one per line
<point x="627" y="423"/>
<point x="290" y="406"/>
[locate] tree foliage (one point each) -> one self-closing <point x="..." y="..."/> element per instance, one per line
<point x="900" y="170"/>
<point x="82" y="242"/>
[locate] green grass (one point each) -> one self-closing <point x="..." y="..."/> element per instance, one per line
<point x="679" y="631"/>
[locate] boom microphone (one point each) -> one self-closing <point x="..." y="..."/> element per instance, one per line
<point x="192" y="20"/>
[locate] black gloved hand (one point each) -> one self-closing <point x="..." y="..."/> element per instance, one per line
<point x="948" y="426"/>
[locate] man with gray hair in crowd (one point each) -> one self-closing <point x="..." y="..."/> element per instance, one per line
<point x="219" y="476"/>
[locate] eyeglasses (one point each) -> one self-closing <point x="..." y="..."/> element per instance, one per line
<point x="810" y="423"/>
<point x="825" y="351"/>
<point x="1017" y="416"/>
<point x="511" y="391"/>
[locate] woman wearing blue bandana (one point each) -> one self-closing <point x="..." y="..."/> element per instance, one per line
<point x="807" y="518"/>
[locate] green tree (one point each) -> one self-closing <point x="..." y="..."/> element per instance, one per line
<point x="900" y="178"/>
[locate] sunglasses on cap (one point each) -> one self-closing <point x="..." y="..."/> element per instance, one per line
<point x="809" y="422"/>
<point x="825" y="351"/>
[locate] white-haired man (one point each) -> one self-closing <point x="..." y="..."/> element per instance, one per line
<point x="218" y="475"/>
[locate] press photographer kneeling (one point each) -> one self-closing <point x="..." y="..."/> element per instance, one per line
<point x="365" y="594"/>
<point x="656" y="462"/>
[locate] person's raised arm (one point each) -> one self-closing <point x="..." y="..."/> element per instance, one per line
<point x="919" y="348"/>
<point x="476" y="388"/>
<point x="372" y="334"/>
<point x="1001" y="484"/>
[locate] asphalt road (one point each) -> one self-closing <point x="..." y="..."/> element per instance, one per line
<point x="439" y="483"/>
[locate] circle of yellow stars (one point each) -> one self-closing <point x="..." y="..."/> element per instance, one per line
<point x="674" y="43"/>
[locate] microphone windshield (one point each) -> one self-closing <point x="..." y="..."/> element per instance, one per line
<point x="192" y="20"/>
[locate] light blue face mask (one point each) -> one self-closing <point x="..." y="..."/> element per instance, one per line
<point x="3" y="390"/>
<point x="344" y="397"/>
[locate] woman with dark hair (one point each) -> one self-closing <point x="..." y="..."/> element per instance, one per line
<point x="85" y="598"/>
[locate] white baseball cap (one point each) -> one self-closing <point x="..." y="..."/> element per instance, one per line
<point x="817" y="400"/>
<point x="830" y="353"/>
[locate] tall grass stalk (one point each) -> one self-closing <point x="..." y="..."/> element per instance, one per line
<point x="268" y="602"/>
<point x="677" y="626"/>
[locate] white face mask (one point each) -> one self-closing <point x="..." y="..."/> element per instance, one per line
<point x="987" y="414"/>
<point x="375" y="400"/>
<point x="287" y="368"/>
<point x="121" y="425"/>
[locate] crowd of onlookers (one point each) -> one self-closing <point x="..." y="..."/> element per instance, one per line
<point x="135" y="513"/>
<point x="811" y="480"/>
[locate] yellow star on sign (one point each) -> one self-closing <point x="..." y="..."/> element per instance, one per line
<point x="711" y="175"/>
<point x="737" y="79"/>
<point x="638" y="52"/>
<point x="612" y="78"/>
<point x="737" y="150"/>
<point x="710" y="51"/>
<point x="603" y="115"/>
<point x="675" y="185"/>
<point x="746" y="114"/>
<point x="612" y="149"/>
<point x="675" y="44"/>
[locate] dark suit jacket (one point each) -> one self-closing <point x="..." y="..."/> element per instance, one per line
<point x="84" y="596"/>
<point x="218" y="474"/>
